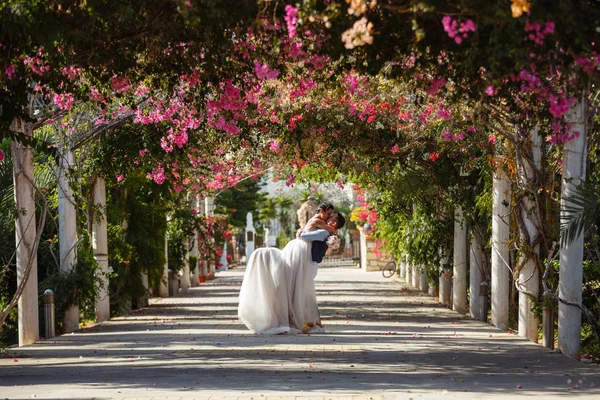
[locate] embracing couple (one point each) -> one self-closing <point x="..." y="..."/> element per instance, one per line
<point x="278" y="292"/>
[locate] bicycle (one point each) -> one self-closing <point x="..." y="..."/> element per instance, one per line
<point x="389" y="269"/>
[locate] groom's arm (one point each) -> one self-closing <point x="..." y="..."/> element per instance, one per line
<point x="318" y="235"/>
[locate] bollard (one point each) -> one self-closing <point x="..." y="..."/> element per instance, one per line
<point x="548" y="328"/>
<point x="49" y="314"/>
<point x="170" y="282"/>
<point x="483" y="291"/>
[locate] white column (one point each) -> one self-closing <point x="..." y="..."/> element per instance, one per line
<point x="363" y="250"/>
<point x="250" y="232"/>
<point x="223" y="259"/>
<point x="195" y="207"/>
<point x="25" y="234"/>
<point x="423" y="280"/>
<point x="415" y="275"/>
<point x="459" y="272"/>
<point x="500" y="249"/>
<point x="408" y="271"/>
<point x="100" y="247"/>
<point x="185" y="279"/>
<point x="475" y="277"/>
<point x="528" y="280"/>
<point x="163" y="287"/>
<point x="402" y="267"/>
<point x="571" y="255"/>
<point x="208" y="210"/>
<point x="67" y="230"/>
<point x="444" y="283"/>
<point x="143" y="300"/>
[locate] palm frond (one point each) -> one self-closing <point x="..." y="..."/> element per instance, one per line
<point x="578" y="212"/>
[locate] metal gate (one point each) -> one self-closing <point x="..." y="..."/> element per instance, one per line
<point x="347" y="255"/>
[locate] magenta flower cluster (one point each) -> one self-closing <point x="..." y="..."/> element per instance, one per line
<point x="458" y="30"/>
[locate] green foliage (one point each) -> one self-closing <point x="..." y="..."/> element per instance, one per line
<point x="193" y="260"/>
<point x="77" y="287"/>
<point x="580" y="210"/>
<point x="237" y="202"/>
<point x="282" y="240"/>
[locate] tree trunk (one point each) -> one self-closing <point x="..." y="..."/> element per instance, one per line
<point x="67" y="230"/>
<point x="528" y="279"/>
<point x="500" y="248"/>
<point x="27" y="238"/>
<point x="100" y="247"/>
<point x="571" y="255"/>
<point x="476" y="277"/>
<point x="459" y="273"/>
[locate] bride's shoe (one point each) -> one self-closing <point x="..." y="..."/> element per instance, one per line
<point x="308" y="326"/>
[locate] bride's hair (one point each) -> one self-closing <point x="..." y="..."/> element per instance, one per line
<point x="325" y="206"/>
<point x="341" y="221"/>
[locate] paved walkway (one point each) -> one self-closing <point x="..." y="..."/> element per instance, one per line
<point x="383" y="342"/>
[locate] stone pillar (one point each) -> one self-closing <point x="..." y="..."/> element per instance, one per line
<point x="459" y="273"/>
<point x="445" y="283"/>
<point x="500" y="247"/>
<point x="403" y="267"/>
<point x="25" y="235"/>
<point x="409" y="271"/>
<point x="475" y="277"/>
<point x="67" y="230"/>
<point x="195" y="209"/>
<point x="163" y="287"/>
<point x="369" y="261"/>
<point x="571" y="255"/>
<point x="223" y="259"/>
<point x="100" y="247"/>
<point x="423" y="280"/>
<point x="250" y="232"/>
<point x="415" y="275"/>
<point x="208" y="211"/>
<point x="235" y="256"/>
<point x="528" y="280"/>
<point x="143" y="300"/>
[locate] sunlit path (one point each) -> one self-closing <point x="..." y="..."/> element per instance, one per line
<point x="382" y="341"/>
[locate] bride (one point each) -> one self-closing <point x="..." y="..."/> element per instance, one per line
<point x="278" y="292"/>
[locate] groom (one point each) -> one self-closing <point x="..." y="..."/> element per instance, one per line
<point x="319" y="237"/>
<point x="319" y="246"/>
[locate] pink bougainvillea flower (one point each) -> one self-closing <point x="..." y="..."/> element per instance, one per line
<point x="64" y="101"/>
<point x="120" y="84"/>
<point x="274" y="146"/>
<point x="1" y="155"/>
<point x="395" y="149"/>
<point x="443" y="113"/>
<point x="436" y="85"/>
<point x="491" y="91"/>
<point x="120" y="178"/>
<point x="291" y="19"/>
<point x="10" y="71"/>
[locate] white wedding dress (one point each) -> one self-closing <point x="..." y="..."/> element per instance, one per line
<point x="278" y="292"/>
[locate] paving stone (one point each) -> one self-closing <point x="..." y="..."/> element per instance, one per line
<point x="382" y="342"/>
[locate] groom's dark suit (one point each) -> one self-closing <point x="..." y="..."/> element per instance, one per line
<point x="319" y="243"/>
<point x="318" y="250"/>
